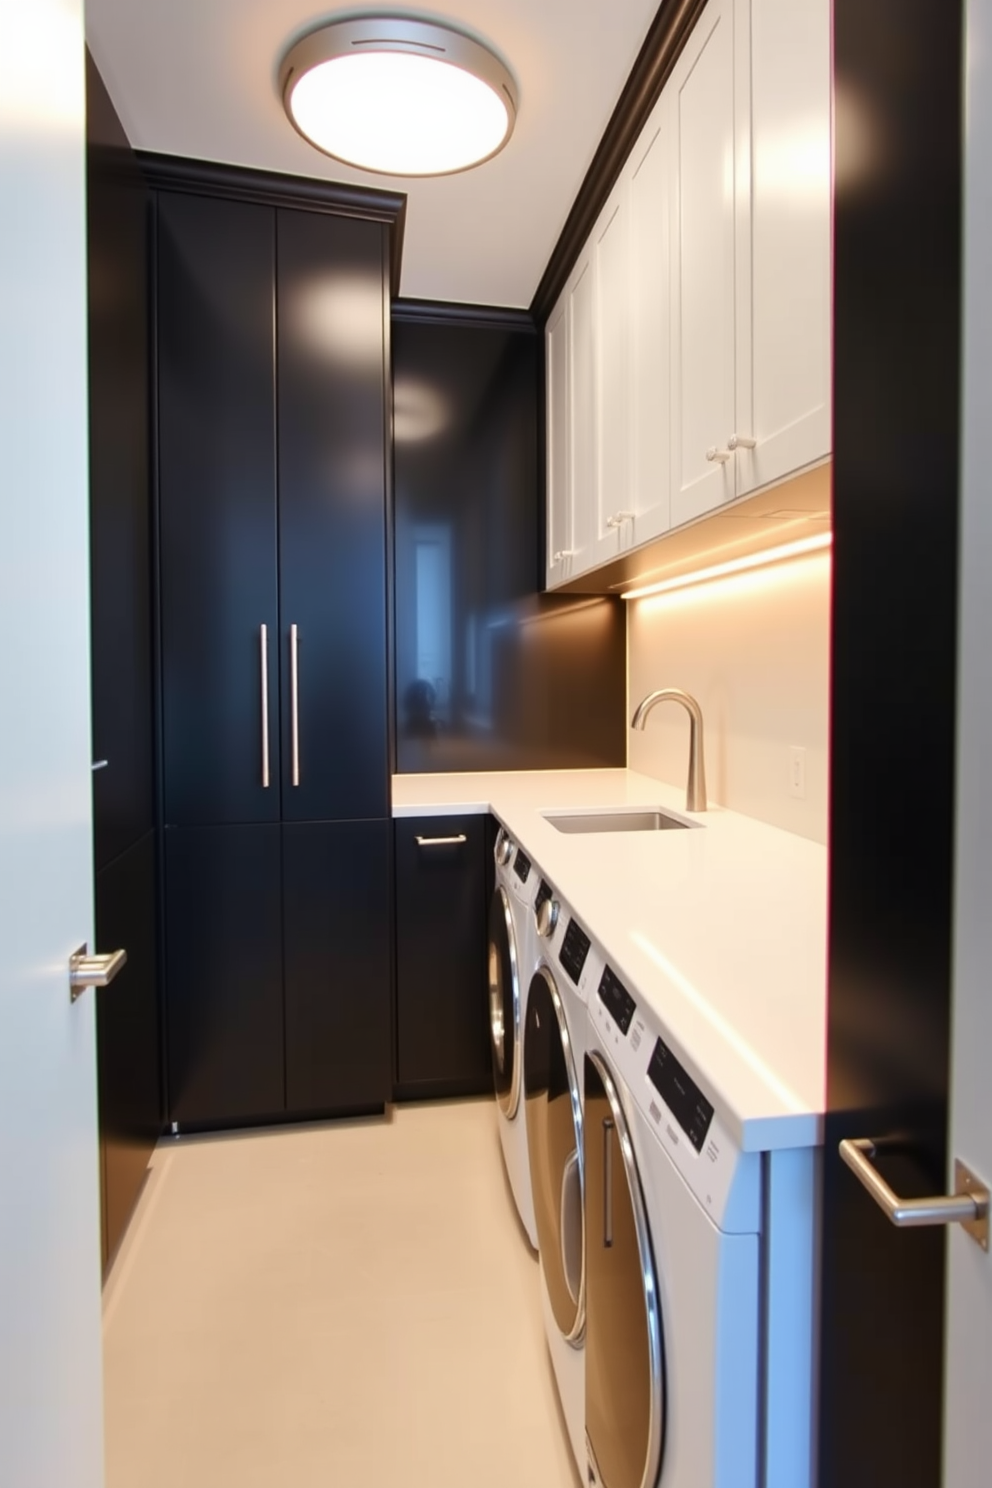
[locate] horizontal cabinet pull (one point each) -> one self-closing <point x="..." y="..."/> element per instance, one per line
<point x="717" y="456"/>
<point x="441" y="841"/>
<point x="561" y="553"/>
<point x="741" y="441"/>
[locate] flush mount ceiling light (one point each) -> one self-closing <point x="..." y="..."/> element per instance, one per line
<point x="398" y="96"/>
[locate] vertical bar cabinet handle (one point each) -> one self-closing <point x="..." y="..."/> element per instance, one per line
<point x="294" y="699"/>
<point x="263" y="646"/>
<point x="608" y="1128"/>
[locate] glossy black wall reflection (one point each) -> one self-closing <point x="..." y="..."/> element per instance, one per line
<point x="490" y="674"/>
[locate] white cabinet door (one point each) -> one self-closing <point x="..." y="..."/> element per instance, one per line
<point x="613" y="320"/>
<point x="703" y="266"/>
<point x="785" y="319"/>
<point x="650" y="301"/>
<point x="559" y="534"/>
<point x="583" y="421"/>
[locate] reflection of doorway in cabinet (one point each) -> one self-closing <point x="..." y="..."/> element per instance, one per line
<point x="432" y="578"/>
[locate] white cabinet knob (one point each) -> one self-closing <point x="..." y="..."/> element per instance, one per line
<point x="741" y="441"/>
<point x="717" y="456"/>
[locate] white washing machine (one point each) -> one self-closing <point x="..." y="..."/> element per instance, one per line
<point x="698" y="1351"/>
<point x="512" y="957"/>
<point x="554" y="1046"/>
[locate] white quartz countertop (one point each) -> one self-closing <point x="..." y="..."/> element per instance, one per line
<point x="722" y="930"/>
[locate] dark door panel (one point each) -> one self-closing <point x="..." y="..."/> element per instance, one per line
<point x="224" y="974"/>
<point x="128" y="1034"/>
<point x="332" y="533"/>
<point x="442" y="1024"/>
<point x="216" y="265"/>
<point x="337" y="907"/>
<point x="118" y="209"/>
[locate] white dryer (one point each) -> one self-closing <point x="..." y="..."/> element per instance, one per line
<point x="679" y="1345"/>
<point x="511" y="960"/>
<point x="554" y="1045"/>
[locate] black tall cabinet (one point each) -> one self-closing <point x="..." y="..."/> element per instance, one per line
<point x="272" y="337"/>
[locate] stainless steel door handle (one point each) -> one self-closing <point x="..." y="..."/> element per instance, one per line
<point x="968" y="1206"/>
<point x="92" y="971"/>
<point x="608" y="1129"/>
<point x="263" y="646"/>
<point x="294" y="698"/>
<point x="441" y="841"/>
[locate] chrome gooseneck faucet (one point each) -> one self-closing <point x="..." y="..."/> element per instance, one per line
<point x="695" y="789"/>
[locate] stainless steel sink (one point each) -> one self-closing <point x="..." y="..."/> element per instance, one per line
<point x="615" y="821"/>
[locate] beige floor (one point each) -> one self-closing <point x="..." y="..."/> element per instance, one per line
<point x="350" y="1305"/>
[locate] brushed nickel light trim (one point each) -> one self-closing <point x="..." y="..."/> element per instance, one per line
<point x="434" y="47"/>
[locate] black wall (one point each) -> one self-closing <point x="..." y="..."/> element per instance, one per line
<point x="490" y="674"/>
<point x="898" y="76"/>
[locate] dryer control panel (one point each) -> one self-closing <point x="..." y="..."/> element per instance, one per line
<point x="677" y="1109"/>
<point x="574" y="950"/>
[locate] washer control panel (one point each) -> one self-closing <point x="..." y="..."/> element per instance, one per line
<point x="680" y="1093"/>
<point x="614" y="996"/>
<point x="522" y="865"/>
<point x="574" y="950"/>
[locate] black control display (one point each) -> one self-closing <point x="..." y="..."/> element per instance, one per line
<point x="681" y="1095"/>
<point x="543" y="895"/>
<point x="617" y="1000"/>
<point x="521" y="866"/>
<point x="574" y="950"/>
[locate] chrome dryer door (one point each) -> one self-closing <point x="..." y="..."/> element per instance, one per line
<point x="554" y="1144"/>
<point x="504" y="1004"/>
<point x="625" y="1378"/>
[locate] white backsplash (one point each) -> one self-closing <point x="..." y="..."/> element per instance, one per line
<point x="754" y="650"/>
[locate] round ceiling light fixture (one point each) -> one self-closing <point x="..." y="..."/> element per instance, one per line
<point x="398" y="96"/>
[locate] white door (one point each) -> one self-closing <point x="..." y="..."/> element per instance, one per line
<point x="703" y="267"/>
<point x="784" y="205"/>
<point x="650" y="191"/>
<point x="583" y="459"/>
<point x="559" y="533"/>
<point x="968" y="1392"/>
<point x="51" y="1425"/>
<point x="611" y="238"/>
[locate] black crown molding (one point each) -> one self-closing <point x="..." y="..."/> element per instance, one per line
<point x="662" y="46"/>
<point x="446" y="312"/>
<point x="273" y="189"/>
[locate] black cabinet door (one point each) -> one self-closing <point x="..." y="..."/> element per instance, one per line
<point x="332" y="308"/>
<point x="128" y="1034"/>
<point x="442" y="1028"/>
<point x="336" y="908"/>
<point x="216" y="315"/>
<point x="224" y="974"/>
<point x="118" y="208"/>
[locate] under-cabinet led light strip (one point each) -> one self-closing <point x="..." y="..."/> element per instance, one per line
<point x="735" y="565"/>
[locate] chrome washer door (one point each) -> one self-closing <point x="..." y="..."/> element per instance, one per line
<point x="504" y="1004"/>
<point x="554" y="1145"/>
<point x="625" y="1376"/>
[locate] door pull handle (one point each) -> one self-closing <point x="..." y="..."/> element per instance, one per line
<point x="608" y="1130"/>
<point x="92" y="971"/>
<point x="263" y="647"/>
<point x="441" y="841"/>
<point x="294" y="699"/>
<point x="967" y="1206"/>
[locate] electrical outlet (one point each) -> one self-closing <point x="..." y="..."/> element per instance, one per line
<point x="797" y="773"/>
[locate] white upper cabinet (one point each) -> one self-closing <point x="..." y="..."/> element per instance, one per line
<point x="789" y="242"/>
<point x="689" y="357"/>
<point x="703" y="267"/>
<point x="650" y="396"/>
<point x="559" y="532"/>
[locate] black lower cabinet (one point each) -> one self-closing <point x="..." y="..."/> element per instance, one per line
<point x="224" y="974"/>
<point x="128" y="1035"/>
<point x="442" y="1029"/>
<point x="336" y="914"/>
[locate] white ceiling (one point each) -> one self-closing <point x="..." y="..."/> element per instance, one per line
<point x="198" y="78"/>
